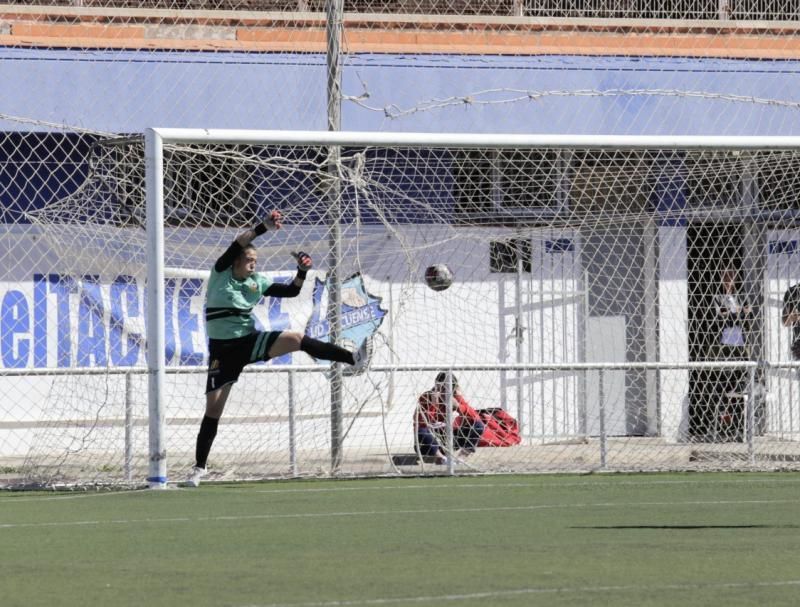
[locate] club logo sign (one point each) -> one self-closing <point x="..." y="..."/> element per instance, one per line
<point x="362" y="314"/>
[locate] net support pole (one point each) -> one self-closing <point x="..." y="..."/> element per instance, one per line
<point x="334" y="314"/>
<point x="448" y="420"/>
<point x="519" y="333"/>
<point x="750" y="416"/>
<point x="128" y="462"/>
<point x="602" y="413"/>
<point x="334" y="10"/>
<point x="292" y="424"/>
<point x="583" y="331"/>
<point x="392" y="353"/>
<point x="154" y="175"/>
<point x="650" y="312"/>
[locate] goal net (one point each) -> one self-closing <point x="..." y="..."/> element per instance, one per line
<point x="616" y="305"/>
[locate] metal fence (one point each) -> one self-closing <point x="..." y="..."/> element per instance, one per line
<point x="736" y="10"/>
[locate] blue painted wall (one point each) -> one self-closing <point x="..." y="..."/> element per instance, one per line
<point x="128" y="91"/>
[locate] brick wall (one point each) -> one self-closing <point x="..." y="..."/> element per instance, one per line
<point x="262" y="31"/>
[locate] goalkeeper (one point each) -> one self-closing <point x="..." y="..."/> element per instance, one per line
<point x="234" y="288"/>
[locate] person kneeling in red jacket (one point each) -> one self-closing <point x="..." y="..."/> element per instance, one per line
<point x="431" y="418"/>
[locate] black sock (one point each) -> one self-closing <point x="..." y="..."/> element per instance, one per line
<point x="325" y="351"/>
<point x="205" y="438"/>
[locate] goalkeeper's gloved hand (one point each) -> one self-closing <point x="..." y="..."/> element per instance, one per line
<point x="304" y="262"/>
<point x="272" y="221"/>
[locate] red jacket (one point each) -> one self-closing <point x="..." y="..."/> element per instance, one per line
<point x="431" y="411"/>
<point x="500" y="429"/>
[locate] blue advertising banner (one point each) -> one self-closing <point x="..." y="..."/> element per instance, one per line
<point x="63" y="321"/>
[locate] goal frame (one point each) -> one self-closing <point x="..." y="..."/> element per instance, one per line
<point x="157" y="138"/>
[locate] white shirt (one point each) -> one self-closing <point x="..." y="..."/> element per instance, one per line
<point x="732" y="333"/>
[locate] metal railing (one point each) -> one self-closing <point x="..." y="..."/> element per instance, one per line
<point x="603" y="437"/>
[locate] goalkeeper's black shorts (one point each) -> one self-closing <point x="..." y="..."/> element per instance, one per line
<point x="227" y="357"/>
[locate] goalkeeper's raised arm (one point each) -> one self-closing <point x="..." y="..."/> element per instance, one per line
<point x="273" y="221"/>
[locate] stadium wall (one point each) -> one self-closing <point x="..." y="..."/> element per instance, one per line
<point x="127" y="91"/>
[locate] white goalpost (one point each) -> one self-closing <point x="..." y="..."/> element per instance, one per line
<point x="589" y="304"/>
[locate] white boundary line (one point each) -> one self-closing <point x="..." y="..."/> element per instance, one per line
<point x="599" y="484"/>
<point x="66" y="495"/>
<point x="483" y="596"/>
<point x="591" y="483"/>
<point x="414" y="512"/>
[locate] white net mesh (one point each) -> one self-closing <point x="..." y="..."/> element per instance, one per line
<point x="604" y="274"/>
<point x="560" y="257"/>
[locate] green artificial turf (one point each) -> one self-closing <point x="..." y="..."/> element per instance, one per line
<point x="648" y="539"/>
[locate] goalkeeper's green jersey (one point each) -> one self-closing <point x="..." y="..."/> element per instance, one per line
<point x="230" y="302"/>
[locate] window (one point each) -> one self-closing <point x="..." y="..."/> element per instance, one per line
<point x="510" y="186"/>
<point x="504" y="255"/>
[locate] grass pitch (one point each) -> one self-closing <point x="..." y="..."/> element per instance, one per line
<point x="662" y="539"/>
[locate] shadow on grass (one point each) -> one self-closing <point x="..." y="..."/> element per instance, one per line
<point x="686" y="527"/>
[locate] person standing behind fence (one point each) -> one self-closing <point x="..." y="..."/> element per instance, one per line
<point x="791" y="317"/>
<point x="734" y="314"/>
<point x="731" y="346"/>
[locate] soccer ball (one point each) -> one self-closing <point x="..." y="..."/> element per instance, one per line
<point x="438" y="277"/>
